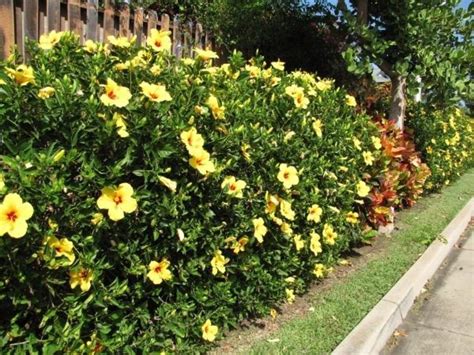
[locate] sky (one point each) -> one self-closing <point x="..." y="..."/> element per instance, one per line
<point x="464" y="3"/>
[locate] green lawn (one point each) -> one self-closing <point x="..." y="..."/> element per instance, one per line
<point x="338" y="309"/>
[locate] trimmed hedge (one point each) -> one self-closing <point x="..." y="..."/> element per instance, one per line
<point x="166" y="193"/>
<point x="446" y="140"/>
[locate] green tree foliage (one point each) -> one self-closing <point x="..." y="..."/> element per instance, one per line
<point x="295" y="31"/>
<point x="409" y="38"/>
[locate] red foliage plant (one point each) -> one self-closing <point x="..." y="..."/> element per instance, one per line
<point x="401" y="177"/>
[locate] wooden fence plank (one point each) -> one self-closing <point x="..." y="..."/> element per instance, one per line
<point x="165" y="22"/>
<point x="138" y="25"/>
<point x="152" y="21"/>
<point x="124" y="21"/>
<point x="19" y="40"/>
<point x="109" y="29"/>
<point x="74" y="16"/>
<point x="198" y="36"/>
<point x="31" y="19"/>
<point x="7" y="30"/>
<point x="54" y="15"/>
<point x="176" y="38"/>
<point x="42" y="19"/>
<point x="92" y="20"/>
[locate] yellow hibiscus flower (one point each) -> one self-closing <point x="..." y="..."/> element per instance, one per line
<point x="159" y="271"/>
<point x="259" y="229"/>
<point x="318" y="128"/>
<point x="218" y="111"/>
<point x="286" y="228"/>
<point x="319" y="270"/>
<point x="205" y="54"/>
<point x="314" y="213"/>
<point x="117" y="201"/>
<point x="90" y="46"/>
<point x="299" y="243"/>
<point x="218" y="263"/>
<point x="290" y="295"/>
<point x="376" y="142"/>
<point x="300" y="100"/>
<point x="193" y="140"/>
<point x="97" y="218"/>
<point x="278" y="65"/>
<point x="323" y="85"/>
<point x="156" y="93"/>
<point x="329" y="235"/>
<point x="46" y="92"/>
<point x="315" y="244"/>
<point x="121" y="42"/>
<point x="48" y="41"/>
<point x="357" y="143"/>
<point x="115" y="95"/>
<point x="288" y="175"/>
<point x="286" y="210"/>
<point x="62" y="247"/>
<point x="23" y="74"/>
<point x="170" y="184"/>
<point x="272" y="202"/>
<point x="351" y="101"/>
<point x="82" y="278"/>
<point x="352" y="217"/>
<point x="159" y="41"/>
<point x="368" y="158"/>
<point x="240" y="244"/>
<point x="119" y="120"/>
<point x="362" y="189"/>
<point x="233" y="187"/>
<point x="297" y="93"/>
<point x="209" y="331"/>
<point x="201" y="161"/>
<point x="13" y="216"/>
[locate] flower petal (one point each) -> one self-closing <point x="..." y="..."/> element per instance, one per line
<point x="19" y="229"/>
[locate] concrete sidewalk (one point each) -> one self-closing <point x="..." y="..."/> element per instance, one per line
<point x="442" y="319"/>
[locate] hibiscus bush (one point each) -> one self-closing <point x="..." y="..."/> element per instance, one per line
<point x="151" y="204"/>
<point x="446" y="139"/>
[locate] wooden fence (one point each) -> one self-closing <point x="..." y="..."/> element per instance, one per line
<point x="20" y="19"/>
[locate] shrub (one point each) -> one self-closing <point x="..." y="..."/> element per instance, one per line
<point x="398" y="175"/>
<point x="446" y="140"/>
<point x="148" y="200"/>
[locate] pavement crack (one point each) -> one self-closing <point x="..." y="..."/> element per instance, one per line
<point x="441" y="329"/>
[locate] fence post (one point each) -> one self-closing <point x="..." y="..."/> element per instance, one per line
<point x="108" y="20"/>
<point x="92" y="20"/>
<point x="7" y="31"/>
<point x="138" y="25"/>
<point x="74" y="17"/>
<point x="165" y="22"/>
<point x="53" y="12"/>
<point x="124" y="21"/>
<point x="152" y="21"/>
<point x="31" y="19"/>
<point x="176" y="38"/>
<point x="198" y="36"/>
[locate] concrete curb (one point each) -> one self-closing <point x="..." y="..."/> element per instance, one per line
<point x="373" y="332"/>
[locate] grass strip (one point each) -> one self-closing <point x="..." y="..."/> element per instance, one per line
<point x="339" y="309"/>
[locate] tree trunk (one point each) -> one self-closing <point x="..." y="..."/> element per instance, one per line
<point x="399" y="101"/>
<point x="362" y="12"/>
